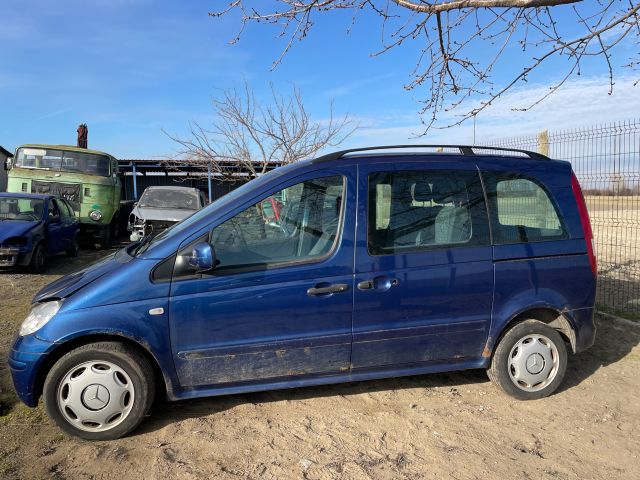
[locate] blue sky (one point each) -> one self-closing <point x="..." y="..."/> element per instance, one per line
<point x="130" y="68"/>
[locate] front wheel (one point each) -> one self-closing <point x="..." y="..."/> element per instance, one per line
<point x="530" y="361"/>
<point x="100" y="391"/>
<point x="103" y="239"/>
<point x="38" y="259"/>
<point x="74" y="248"/>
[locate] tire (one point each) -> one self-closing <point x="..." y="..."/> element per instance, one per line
<point x="81" y="390"/>
<point x="72" y="251"/>
<point x="104" y="238"/>
<point x="38" y="259"/>
<point x="530" y="361"/>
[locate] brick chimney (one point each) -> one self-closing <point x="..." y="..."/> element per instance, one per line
<point x="83" y="135"/>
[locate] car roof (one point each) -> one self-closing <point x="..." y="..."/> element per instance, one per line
<point x="432" y="151"/>
<point x="168" y="187"/>
<point x="40" y="196"/>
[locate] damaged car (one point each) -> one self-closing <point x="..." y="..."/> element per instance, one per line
<point x="161" y="207"/>
<point x="34" y="226"/>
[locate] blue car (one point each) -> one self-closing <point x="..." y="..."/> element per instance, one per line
<point x="381" y="264"/>
<point x="34" y="226"/>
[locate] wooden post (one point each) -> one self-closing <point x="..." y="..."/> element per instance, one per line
<point x="543" y="143"/>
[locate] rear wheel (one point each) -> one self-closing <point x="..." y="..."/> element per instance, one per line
<point x="530" y="361"/>
<point x="100" y="391"/>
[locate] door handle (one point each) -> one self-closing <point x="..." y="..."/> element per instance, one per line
<point x="322" y="289"/>
<point x="382" y="283"/>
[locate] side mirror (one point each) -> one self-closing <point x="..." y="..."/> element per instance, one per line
<point x="8" y="164"/>
<point x="203" y="258"/>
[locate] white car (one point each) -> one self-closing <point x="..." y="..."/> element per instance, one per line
<point x="161" y="207"/>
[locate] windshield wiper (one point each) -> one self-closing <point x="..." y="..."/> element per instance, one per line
<point x="144" y="242"/>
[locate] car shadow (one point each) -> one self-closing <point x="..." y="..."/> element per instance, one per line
<point x="615" y="339"/>
<point x="164" y="413"/>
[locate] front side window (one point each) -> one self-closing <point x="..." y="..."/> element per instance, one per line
<point x="420" y="210"/>
<point x="521" y="210"/>
<point x="53" y="210"/>
<point x="306" y="229"/>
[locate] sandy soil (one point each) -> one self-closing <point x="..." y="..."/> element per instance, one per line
<point x="457" y="426"/>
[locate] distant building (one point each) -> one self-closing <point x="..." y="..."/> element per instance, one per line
<point x="4" y="154"/>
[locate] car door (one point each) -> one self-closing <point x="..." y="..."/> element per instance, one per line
<point x="69" y="223"/>
<point x="55" y="228"/>
<point x="279" y="303"/>
<point x="423" y="272"/>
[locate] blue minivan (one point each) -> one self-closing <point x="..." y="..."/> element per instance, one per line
<point x="383" y="262"/>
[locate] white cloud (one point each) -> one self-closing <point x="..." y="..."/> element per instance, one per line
<point x="580" y="103"/>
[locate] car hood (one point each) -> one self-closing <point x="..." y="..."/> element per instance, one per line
<point x="15" y="228"/>
<point x="166" y="214"/>
<point x="69" y="284"/>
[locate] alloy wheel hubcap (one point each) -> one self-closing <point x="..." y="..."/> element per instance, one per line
<point x="533" y="362"/>
<point x="95" y="396"/>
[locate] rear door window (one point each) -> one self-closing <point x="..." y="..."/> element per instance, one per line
<point x="522" y="210"/>
<point x="421" y="210"/>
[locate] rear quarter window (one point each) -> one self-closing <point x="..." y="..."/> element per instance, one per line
<point x="522" y="210"/>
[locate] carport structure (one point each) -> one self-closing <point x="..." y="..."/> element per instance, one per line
<point x="138" y="174"/>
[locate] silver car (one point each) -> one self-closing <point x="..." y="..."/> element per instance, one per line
<point x="161" y="207"/>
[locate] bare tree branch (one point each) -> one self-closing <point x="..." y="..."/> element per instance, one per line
<point x="462" y="43"/>
<point x="247" y="138"/>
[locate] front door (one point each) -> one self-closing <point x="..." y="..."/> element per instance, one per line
<point x="279" y="303"/>
<point x="55" y="228"/>
<point x="424" y="271"/>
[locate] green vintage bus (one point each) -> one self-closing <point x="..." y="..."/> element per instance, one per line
<point x="88" y="179"/>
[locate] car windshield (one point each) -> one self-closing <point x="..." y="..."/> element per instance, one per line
<point x="165" y="198"/>
<point x="20" y="208"/>
<point x="63" y="161"/>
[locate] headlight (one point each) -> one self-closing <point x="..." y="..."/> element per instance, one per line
<point x="39" y="315"/>
<point x="15" y="241"/>
<point x="95" y="215"/>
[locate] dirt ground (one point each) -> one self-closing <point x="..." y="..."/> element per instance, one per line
<point x="457" y="426"/>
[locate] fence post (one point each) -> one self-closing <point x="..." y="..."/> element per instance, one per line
<point x="543" y="143"/>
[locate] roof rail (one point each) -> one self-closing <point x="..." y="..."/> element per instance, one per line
<point x="466" y="150"/>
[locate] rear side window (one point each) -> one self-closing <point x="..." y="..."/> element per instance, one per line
<point x="521" y="210"/>
<point x="421" y="210"/>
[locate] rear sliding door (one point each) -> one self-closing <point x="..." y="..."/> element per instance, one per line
<point x="423" y="270"/>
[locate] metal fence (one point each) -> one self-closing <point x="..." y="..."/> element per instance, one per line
<point x="606" y="160"/>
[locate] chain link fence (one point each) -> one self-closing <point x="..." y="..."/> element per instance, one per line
<point x="606" y="160"/>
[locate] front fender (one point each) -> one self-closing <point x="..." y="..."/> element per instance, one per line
<point x="131" y="321"/>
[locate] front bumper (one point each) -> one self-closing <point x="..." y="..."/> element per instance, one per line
<point x="26" y="357"/>
<point x="12" y="256"/>
<point x="141" y="230"/>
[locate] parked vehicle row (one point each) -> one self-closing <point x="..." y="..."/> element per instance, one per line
<point x="88" y="179"/>
<point x="85" y="183"/>
<point x="376" y="265"/>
